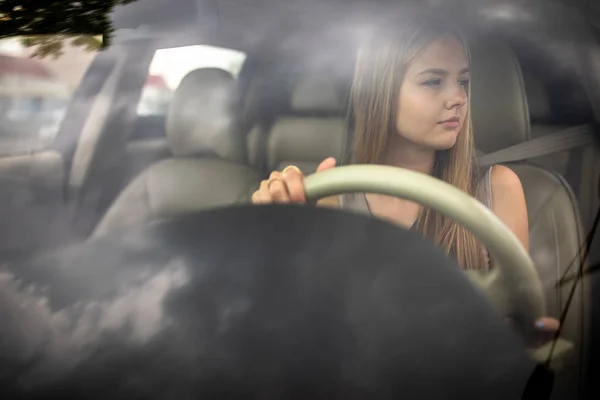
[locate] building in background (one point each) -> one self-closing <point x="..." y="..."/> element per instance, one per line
<point x="35" y="93"/>
<point x="156" y="97"/>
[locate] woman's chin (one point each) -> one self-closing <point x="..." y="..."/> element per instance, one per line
<point x="444" y="142"/>
<point x="435" y="140"/>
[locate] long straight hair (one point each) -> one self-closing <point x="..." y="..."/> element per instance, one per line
<point x="379" y="73"/>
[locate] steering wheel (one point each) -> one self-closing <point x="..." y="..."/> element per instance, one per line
<point x="199" y="294"/>
<point x="512" y="284"/>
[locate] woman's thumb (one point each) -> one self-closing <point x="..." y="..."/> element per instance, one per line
<point x="327" y="163"/>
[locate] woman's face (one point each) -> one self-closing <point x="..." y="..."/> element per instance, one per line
<point x="432" y="103"/>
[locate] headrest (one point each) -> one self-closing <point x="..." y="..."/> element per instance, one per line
<point x="317" y="94"/>
<point x="314" y="131"/>
<point x="499" y="109"/>
<point x="305" y="142"/>
<point x="201" y="118"/>
<point x="538" y="98"/>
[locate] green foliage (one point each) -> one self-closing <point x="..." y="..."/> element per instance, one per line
<point x="53" y="45"/>
<point x="47" y="24"/>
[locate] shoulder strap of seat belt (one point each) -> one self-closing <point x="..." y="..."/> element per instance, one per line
<point x="563" y="140"/>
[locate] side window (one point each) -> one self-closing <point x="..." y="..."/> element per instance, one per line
<point x="38" y="76"/>
<point x="167" y="70"/>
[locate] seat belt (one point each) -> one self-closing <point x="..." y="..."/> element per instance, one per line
<point x="563" y="140"/>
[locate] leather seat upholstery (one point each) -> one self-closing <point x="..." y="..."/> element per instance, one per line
<point x="312" y="130"/>
<point x="501" y="118"/>
<point x="543" y="122"/>
<point x="499" y="108"/>
<point x="208" y="166"/>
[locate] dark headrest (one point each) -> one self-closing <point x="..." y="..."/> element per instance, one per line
<point x="319" y="94"/>
<point x="201" y="119"/>
<point x="538" y="98"/>
<point x="305" y="142"/>
<point x="499" y="107"/>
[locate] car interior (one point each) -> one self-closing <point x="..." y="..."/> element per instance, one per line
<point x="223" y="134"/>
<point x="208" y="158"/>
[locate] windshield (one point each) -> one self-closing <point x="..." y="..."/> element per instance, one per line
<point x="476" y="124"/>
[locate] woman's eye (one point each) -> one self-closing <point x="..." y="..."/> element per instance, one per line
<point x="464" y="83"/>
<point x="432" y="82"/>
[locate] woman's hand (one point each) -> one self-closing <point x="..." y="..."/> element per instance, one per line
<point x="286" y="186"/>
<point x="546" y="328"/>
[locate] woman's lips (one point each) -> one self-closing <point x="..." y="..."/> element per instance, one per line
<point x="450" y="123"/>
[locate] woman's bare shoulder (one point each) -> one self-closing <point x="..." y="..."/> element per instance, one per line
<point x="506" y="182"/>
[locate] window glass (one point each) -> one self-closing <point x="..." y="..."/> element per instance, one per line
<point x="38" y="76"/>
<point x="170" y="66"/>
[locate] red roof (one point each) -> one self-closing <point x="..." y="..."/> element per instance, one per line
<point x="10" y="65"/>
<point x="156" y="80"/>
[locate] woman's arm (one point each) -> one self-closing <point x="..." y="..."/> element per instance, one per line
<point x="508" y="202"/>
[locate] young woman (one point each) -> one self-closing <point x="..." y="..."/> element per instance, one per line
<point x="410" y="109"/>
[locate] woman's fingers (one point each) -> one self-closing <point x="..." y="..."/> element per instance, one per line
<point x="327" y="163"/>
<point x="279" y="191"/>
<point x="262" y="195"/>
<point x="286" y="186"/>
<point x="546" y="327"/>
<point x="272" y="190"/>
<point x="256" y="198"/>
<point x="275" y="188"/>
<point x="294" y="180"/>
<point x="547" y="324"/>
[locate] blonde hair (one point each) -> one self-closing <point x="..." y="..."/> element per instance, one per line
<point x="379" y="72"/>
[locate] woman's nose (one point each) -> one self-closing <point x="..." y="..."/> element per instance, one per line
<point x="457" y="97"/>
